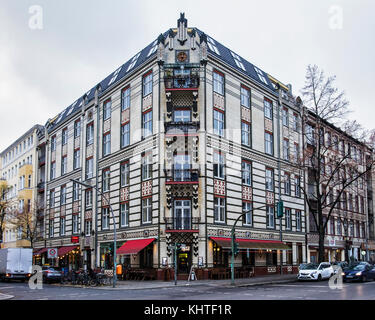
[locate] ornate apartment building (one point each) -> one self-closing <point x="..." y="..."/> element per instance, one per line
<point x="182" y="139"/>
<point x="18" y="169"/>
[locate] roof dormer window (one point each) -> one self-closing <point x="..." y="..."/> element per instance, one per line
<point x="238" y="61"/>
<point x="260" y="75"/>
<point x="133" y="62"/>
<point x="212" y="45"/>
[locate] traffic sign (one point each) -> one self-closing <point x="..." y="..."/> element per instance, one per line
<point x="52" y="253"/>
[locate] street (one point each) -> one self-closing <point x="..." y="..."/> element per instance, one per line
<point x="287" y="291"/>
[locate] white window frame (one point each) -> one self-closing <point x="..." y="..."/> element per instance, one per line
<point x="219" y="209"/>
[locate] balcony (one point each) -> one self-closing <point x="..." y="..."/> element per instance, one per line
<point x="42" y="160"/>
<point x="182" y="176"/>
<point x="181" y="128"/>
<point x="40" y="186"/>
<point x="182" y="224"/>
<point x="181" y="77"/>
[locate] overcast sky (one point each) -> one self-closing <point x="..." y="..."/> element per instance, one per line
<point x="42" y="71"/>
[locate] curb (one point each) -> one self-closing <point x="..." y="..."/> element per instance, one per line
<point x="5" y="296"/>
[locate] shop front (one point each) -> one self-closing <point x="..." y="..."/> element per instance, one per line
<point x="70" y="258"/>
<point x="255" y="257"/>
<point x="40" y="256"/>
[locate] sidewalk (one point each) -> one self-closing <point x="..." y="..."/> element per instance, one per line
<point x="156" y="284"/>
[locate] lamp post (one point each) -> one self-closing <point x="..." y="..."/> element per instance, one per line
<point x="114" y="227"/>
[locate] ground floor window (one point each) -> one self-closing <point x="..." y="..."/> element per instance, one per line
<point x="271" y="258"/>
<point x="220" y="257"/>
<point x="248" y="258"/>
<point x="146" y="258"/>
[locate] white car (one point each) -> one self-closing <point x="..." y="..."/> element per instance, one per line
<point x="315" y="271"/>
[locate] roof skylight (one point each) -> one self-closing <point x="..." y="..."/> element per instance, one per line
<point x="212" y="45"/>
<point x="261" y="75"/>
<point x="133" y="62"/>
<point x="153" y="49"/>
<point x="238" y="61"/>
<point x="114" y="76"/>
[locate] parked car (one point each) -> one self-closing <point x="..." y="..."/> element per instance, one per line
<point x="51" y="274"/>
<point x="339" y="264"/>
<point x="315" y="271"/>
<point x="360" y="272"/>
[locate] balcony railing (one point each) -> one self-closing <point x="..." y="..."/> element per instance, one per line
<point x="176" y="176"/>
<point x="42" y="160"/>
<point x="40" y="186"/>
<point x="181" y="82"/>
<point x="182" y="223"/>
<point x="175" y="128"/>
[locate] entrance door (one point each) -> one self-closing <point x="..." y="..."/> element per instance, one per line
<point x="184" y="259"/>
<point x="182" y="214"/>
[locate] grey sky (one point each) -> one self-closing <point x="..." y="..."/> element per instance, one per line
<point x="83" y="41"/>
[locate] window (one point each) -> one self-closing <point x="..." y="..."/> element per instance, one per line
<point x="133" y="62"/>
<point x="268" y="143"/>
<point x="90" y="134"/>
<point x="285" y="117"/>
<point x="89" y="168"/>
<point x="298" y="220"/>
<point x="310" y="134"/>
<point x="64" y="165"/>
<point x="269" y="180"/>
<point x="77" y="128"/>
<point x="77" y="159"/>
<point x="295" y="121"/>
<point x="146" y="210"/>
<point x="75" y="191"/>
<point x="296" y="152"/>
<point x="125" y="135"/>
<point x="147" y="84"/>
<point x="287" y="184"/>
<point x="53" y="143"/>
<point x="53" y="170"/>
<point x="106" y="180"/>
<point x="219" y="209"/>
<point x="106" y="144"/>
<point x="63" y="195"/>
<point x="88" y="227"/>
<point x="246" y="133"/>
<point x="51" y="228"/>
<point x="64" y="136"/>
<point x="246" y="173"/>
<point x="339" y="230"/>
<point x="105" y="218"/>
<point x="218" y="165"/>
<point x="286" y="149"/>
<point x="288" y="219"/>
<point x="182" y="115"/>
<point x="88" y="198"/>
<point x="245" y="97"/>
<point x="247" y="207"/>
<point x="297" y="182"/>
<point x="212" y="45"/>
<point x="147" y="124"/>
<point x="29" y="181"/>
<point x="238" y="61"/>
<point x="268" y="110"/>
<point x="181" y="167"/>
<point x="124" y="174"/>
<point x="218" y="82"/>
<point x="62" y="226"/>
<point x="219" y="123"/>
<point x="147" y="166"/>
<point x="107" y="109"/>
<point x="75" y="223"/>
<point x="270" y="217"/>
<point x="261" y="75"/>
<point x="52" y="198"/>
<point x="124" y="214"/>
<point x="332" y="225"/>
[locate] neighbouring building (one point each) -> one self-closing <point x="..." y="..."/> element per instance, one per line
<point x="350" y="227"/>
<point x="182" y="139"/>
<point x="18" y="170"/>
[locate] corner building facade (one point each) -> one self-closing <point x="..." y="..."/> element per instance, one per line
<point x="182" y="139"/>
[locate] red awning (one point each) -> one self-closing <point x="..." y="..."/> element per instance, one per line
<point x="134" y="246"/>
<point x="38" y="252"/>
<point x="64" y="250"/>
<point x="226" y="243"/>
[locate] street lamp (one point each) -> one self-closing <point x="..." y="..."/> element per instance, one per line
<point x="114" y="226"/>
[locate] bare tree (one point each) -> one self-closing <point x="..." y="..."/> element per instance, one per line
<point x="27" y="222"/>
<point x="331" y="167"/>
<point x="5" y="205"/>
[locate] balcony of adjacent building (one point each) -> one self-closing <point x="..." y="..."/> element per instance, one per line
<point x="181" y="77"/>
<point x="42" y="160"/>
<point x="41" y="186"/>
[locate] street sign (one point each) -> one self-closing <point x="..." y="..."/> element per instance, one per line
<point x="52" y="253"/>
<point x="74" y="239"/>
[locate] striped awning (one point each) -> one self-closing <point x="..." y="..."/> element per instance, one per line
<point x="226" y="243"/>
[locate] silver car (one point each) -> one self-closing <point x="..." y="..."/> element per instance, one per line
<point x="315" y="271"/>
